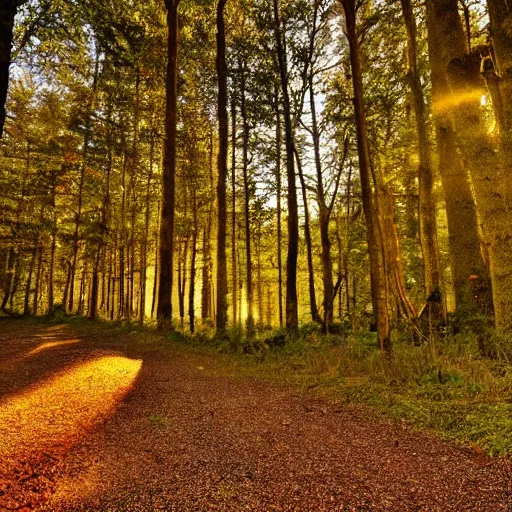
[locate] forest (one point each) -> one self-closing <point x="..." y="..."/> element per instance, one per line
<point x="256" y="255"/>
<point x="257" y="165"/>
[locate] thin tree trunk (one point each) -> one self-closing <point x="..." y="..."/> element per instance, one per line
<point x="427" y="207"/>
<point x="192" y="285"/>
<point x="38" y="281"/>
<point x="247" y="206"/>
<point x="292" y="316"/>
<point x="155" y="278"/>
<point x="233" y="210"/>
<point x="144" y="249"/>
<point x="377" y="271"/>
<point x="222" y="284"/>
<point x="278" y="208"/>
<point x="26" y="306"/>
<point x="315" y="317"/>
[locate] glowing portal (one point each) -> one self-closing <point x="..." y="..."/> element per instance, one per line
<point x="56" y="412"/>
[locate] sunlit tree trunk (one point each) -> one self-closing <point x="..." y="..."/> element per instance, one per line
<point x="145" y="243"/>
<point x="445" y="42"/>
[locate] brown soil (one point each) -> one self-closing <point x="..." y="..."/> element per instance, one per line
<point x="90" y="421"/>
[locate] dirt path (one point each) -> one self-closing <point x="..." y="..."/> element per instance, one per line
<point x="94" y="422"/>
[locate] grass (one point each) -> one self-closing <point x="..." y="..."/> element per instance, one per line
<point x="449" y="389"/>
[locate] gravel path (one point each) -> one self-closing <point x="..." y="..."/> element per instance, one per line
<point x="91" y="423"/>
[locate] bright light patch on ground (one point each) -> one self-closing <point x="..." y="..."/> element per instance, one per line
<point x="56" y="412"/>
<point x="51" y="344"/>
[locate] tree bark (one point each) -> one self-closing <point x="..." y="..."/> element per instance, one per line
<point x="8" y="10"/>
<point x="315" y="317"/>
<point x="445" y="42"/>
<point x="377" y="270"/>
<point x="234" y="282"/>
<point x="278" y="208"/>
<point x="164" y="309"/>
<point x="292" y="313"/>
<point x="427" y="207"/>
<point x="247" y="205"/>
<point x="222" y="115"/>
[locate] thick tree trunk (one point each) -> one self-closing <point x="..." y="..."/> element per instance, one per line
<point x="7" y="14"/>
<point x="292" y="313"/>
<point x="377" y="270"/>
<point x="222" y="114"/>
<point x="445" y="42"/>
<point x="164" y="309"/>
<point x="492" y="181"/>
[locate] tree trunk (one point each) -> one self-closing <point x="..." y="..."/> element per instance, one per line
<point x="445" y="42"/>
<point x="145" y="243"/>
<point x="234" y="282"/>
<point x="192" y="285"/>
<point x="315" y="317"/>
<point x="222" y="279"/>
<point x="26" y="306"/>
<point x="377" y="270"/>
<point x="427" y="207"/>
<point x="247" y="206"/>
<point x="7" y="14"/>
<point x="292" y="314"/>
<point x="38" y="281"/>
<point x="164" y="310"/>
<point x="206" y="288"/>
<point x="278" y="208"/>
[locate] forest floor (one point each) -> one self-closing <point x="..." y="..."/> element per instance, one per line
<point x="96" y="418"/>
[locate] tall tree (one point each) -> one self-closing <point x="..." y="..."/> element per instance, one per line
<point x="377" y="270"/>
<point x="222" y="116"/>
<point x="164" y="308"/>
<point x="292" y="315"/>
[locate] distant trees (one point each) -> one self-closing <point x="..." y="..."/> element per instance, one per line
<point x="145" y="172"/>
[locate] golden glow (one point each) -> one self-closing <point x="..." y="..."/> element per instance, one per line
<point x="455" y="100"/>
<point x="483" y="100"/>
<point x="54" y="414"/>
<point x="51" y="344"/>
